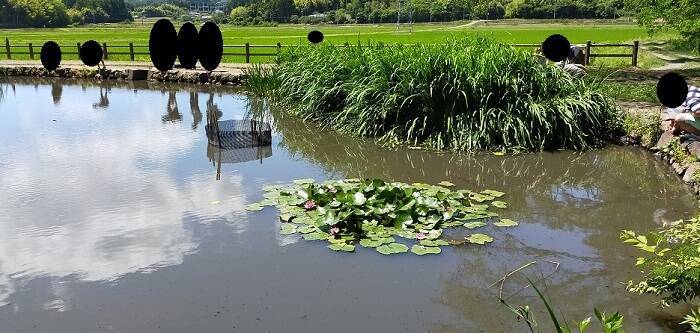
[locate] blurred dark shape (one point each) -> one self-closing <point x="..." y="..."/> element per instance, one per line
<point x="210" y="46"/>
<point x="56" y="92"/>
<point x="91" y="53"/>
<point x="162" y="45"/>
<point x="187" y="39"/>
<point x="556" y="48"/>
<point x="315" y="37"/>
<point x="50" y="55"/>
<point x="672" y="90"/>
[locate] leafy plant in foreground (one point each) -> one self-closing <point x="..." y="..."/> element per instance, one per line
<point x="609" y="323"/>
<point x="671" y="261"/>
<point x="374" y="213"/>
<point x="470" y="95"/>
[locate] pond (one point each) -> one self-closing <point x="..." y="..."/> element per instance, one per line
<point x="116" y="215"/>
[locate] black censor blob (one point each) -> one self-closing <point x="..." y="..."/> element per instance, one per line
<point x="210" y="46"/>
<point x="162" y="45"/>
<point x="50" y="55"/>
<point x="672" y="90"/>
<point x="91" y="53"/>
<point x="556" y="48"/>
<point x="187" y="45"/>
<point x="315" y="37"/>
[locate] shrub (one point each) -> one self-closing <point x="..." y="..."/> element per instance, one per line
<point x="671" y="261"/>
<point x="465" y="95"/>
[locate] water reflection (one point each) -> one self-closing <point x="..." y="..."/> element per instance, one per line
<point x="95" y="207"/>
<point x="172" y="113"/>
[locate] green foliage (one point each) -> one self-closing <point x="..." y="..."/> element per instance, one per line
<point x="470" y="95"/>
<point x="670" y="261"/>
<point x="41" y="13"/>
<point x="374" y="213"/>
<point x="678" y="15"/>
<point x="161" y="10"/>
<point x="609" y="323"/>
<point x="643" y="126"/>
<point x="693" y="320"/>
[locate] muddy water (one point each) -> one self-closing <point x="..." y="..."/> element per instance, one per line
<point x="116" y="216"/>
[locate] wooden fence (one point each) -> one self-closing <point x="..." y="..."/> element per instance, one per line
<point x="272" y="50"/>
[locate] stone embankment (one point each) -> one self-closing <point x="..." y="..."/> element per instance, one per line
<point x="227" y="76"/>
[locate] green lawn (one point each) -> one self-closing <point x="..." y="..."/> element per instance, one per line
<point x="294" y="34"/>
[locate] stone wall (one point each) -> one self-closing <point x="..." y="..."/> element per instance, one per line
<point x="234" y="78"/>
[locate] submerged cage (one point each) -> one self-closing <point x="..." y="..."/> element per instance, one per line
<point x="235" y="134"/>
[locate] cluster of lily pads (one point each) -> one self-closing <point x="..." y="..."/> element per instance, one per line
<point x="374" y="213"/>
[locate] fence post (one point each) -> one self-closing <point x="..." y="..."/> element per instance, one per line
<point x="247" y="53"/>
<point x="104" y="49"/>
<point x="7" y="48"/>
<point x="635" y="53"/>
<point x="131" y="51"/>
<point x="78" y="50"/>
<point x="587" y="60"/>
<point x="279" y="48"/>
<point x="31" y="51"/>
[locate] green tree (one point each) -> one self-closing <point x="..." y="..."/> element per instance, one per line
<point x="680" y="15"/>
<point x="41" y="13"/>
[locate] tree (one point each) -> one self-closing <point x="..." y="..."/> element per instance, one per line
<point x="41" y="13"/>
<point x="680" y="15"/>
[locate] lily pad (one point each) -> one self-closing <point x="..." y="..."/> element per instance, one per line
<point x="479" y="239"/>
<point x="392" y="248"/>
<point x="446" y="183"/>
<point x="342" y="247"/>
<point x="315" y="236"/>
<point x="254" y="207"/>
<point x="304" y="181"/>
<point x="505" y="223"/>
<point x="423" y="250"/>
<point x="499" y="204"/>
<point x="371" y="242"/>
<point x="493" y="193"/>
<point x="436" y="242"/>
<point x="288" y="229"/>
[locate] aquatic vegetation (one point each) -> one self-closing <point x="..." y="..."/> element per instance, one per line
<point x="608" y="323"/>
<point x="469" y="95"/>
<point x="376" y="214"/>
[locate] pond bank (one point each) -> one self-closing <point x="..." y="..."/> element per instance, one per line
<point x="230" y="75"/>
<point x="682" y="153"/>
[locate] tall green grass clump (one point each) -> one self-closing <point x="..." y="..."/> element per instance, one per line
<point x="470" y="95"/>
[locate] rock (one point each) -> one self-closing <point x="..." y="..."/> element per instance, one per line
<point x="665" y="139"/>
<point x="694" y="149"/>
<point x="678" y="168"/>
<point x="690" y="172"/>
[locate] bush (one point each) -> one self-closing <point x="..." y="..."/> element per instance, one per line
<point x="240" y="15"/>
<point x="42" y="13"/>
<point x="465" y="95"/>
<point x="671" y="261"/>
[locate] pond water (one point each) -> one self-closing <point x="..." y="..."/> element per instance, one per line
<point x="116" y="216"/>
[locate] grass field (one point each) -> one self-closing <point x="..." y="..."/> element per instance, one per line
<point x="294" y="34"/>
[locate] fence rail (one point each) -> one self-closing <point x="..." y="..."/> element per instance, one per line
<point x="246" y="50"/>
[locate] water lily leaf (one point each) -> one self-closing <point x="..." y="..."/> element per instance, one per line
<point x="285" y="217"/>
<point x="474" y="225"/>
<point x="268" y="202"/>
<point x="479" y="239"/>
<point x="446" y="183"/>
<point x="499" y="204"/>
<point x="392" y="248"/>
<point x="452" y="224"/>
<point x="359" y="199"/>
<point x="288" y="229"/>
<point x="342" y="247"/>
<point x="308" y="229"/>
<point x="255" y="207"/>
<point x="493" y="193"/>
<point x="505" y="223"/>
<point x="498" y="153"/>
<point x="315" y="236"/>
<point x="272" y="194"/>
<point x="403" y="219"/>
<point x="304" y="181"/>
<point x="437" y="242"/>
<point x="423" y="250"/>
<point x="370" y="242"/>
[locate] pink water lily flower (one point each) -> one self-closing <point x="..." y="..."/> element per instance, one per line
<point x="421" y="236"/>
<point x="335" y="231"/>
<point x="310" y="204"/>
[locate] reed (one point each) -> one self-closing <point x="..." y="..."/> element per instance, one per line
<point x="468" y="95"/>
